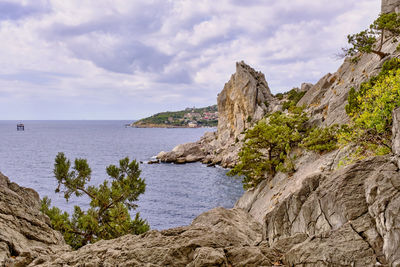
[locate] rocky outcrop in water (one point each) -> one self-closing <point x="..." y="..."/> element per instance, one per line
<point x="245" y="99"/>
<point x="25" y="233"/>
<point x="321" y="215"/>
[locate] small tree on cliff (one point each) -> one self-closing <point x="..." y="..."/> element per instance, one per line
<point x="267" y="147"/>
<point x="108" y="216"/>
<point x="371" y="40"/>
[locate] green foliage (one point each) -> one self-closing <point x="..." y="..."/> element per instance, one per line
<point x="267" y="147"/>
<point x="279" y="96"/>
<point x="366" y="41"/>
<point x="293" y="97"/>
<point x="371" y="108"/>
<point x="322" y="139"/>
<point x="108" y="216"/>
<point x="249" y="119"/>
<point x="356" y="98"/>
<point x="178" y="117"/>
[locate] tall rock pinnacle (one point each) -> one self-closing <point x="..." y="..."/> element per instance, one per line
<point x="244" y="98"/>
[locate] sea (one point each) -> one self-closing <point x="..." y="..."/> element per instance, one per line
<point x="175" y="194"/>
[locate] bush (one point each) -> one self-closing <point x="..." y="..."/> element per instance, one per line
<point x="322" y="139"/>
<point x="371" y="111"/>
<point x="356" y="98"/>
<point x="267" y="147"/>
<point x="279" y="96"/>
<point x="108" y="216"/>
<point x="293" y="97"/>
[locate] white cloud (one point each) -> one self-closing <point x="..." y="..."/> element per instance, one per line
<point x="132" y="58"/>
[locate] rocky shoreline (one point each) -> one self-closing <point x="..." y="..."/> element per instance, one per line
<point x="321" y="215"/>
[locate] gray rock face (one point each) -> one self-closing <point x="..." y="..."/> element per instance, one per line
<point x="216" y="238"/>
<point x="185" y="153"/>
<point x="389" y="6"/>
<point x="334" y="213"/>
<point x="24" y="231"/>
<point x="349" y="217"/>
<point x="327" y="99"/>
<point x="396" y="132"/>
<point x="245" y="99"/>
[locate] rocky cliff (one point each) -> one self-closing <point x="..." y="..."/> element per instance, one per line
<point x="245" y="99"/>
<point x="389" y="6"/>
<point x="347" y="217"/>
<point x="321" y="215"/>
<point x="25" y="233"/>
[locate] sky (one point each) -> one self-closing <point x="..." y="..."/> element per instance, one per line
<point x="127" y="59"/>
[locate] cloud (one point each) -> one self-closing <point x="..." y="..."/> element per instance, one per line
<point x="19" y="10"/>
<point x="128" y="59"/>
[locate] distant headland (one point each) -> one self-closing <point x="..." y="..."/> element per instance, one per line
<point x="188" y="118"/>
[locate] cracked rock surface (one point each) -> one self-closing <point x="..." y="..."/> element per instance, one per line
<point x="218" y="237"/>
<point x="24" y="231"/>
<point x="348" y="217"/>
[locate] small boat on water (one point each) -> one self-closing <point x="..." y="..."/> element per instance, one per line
<point x="20" y="127"/>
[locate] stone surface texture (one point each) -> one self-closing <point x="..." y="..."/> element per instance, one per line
<point x="218" y="237"/>
<point x="396" y="132"/>
<point x="389" y="6"/>
<point x="24" y="231"/>
<point x="345" y="217"/>
<point x="321" y="215"/>
<point x="245" y="99"/>
<point x="326" y="100"/>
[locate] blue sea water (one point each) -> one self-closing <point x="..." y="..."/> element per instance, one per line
<point x="175" y="194"/>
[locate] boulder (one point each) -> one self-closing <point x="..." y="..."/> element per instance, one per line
<point x="185" y="153"/>
<point x="348" y="217"/>
<point x="25" y="232"/>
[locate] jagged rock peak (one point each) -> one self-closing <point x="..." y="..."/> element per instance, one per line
<point x="244" y="99"/>
<point x="389" y="6"/>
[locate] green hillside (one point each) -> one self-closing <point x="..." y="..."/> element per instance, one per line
<point x="190" y="117"/>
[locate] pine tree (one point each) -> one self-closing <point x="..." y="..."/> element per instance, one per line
<point x="108" y="215"/>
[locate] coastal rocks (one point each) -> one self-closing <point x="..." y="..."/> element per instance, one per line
<point x="334" y="212"/>
<point x="185" y="153"/>
<point x="326" y="100"/>
<point x="389" y="6"/>
<point x="25" y="232"/>
<point x="244" y="100"/>
<point x="264" y="198"/>
<point x="218" y="237"/>
<point x="347" y="217"/>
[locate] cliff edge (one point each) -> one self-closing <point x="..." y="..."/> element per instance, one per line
<point x="244" y="100"/>
<point x="320" y="215"/>
<point x="25" y="233"/>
